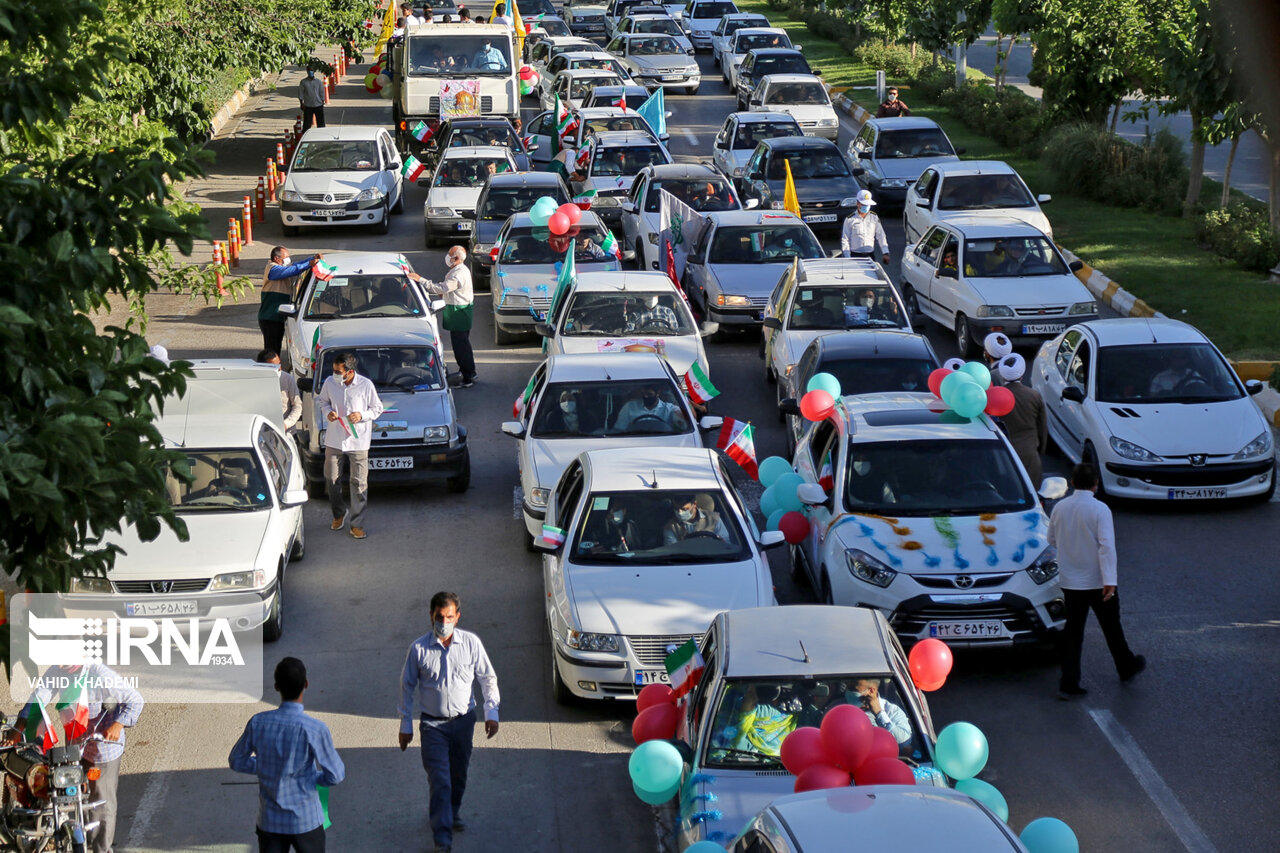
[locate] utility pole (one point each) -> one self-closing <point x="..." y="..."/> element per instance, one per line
<point x="962" y="53"/>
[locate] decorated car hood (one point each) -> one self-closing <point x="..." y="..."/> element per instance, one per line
<point x="648" y="600"/>
<point x="717" y="804"/>
<point x="991" y="542"/>
<point x="550" y="456"/>
<point x="331" y="182"/>
<point x="219" y="542"/>
<point x="756" y="280"/>
<point x="680" y="351"/>
<point x="455" y="197"/>
<point x="615" y="185"/>
<point x="1030" y="290"/>
<point x="1180" y="429"/>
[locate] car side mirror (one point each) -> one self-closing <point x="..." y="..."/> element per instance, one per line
<point x="858" y="170"/>
<point x="1075" y="266"/>
<point x="1044" y="198"/>
<point x="1254" y="386"/>
<point x="515" y="429"/>
<point x="294" y="497"/>
<point x="959" y="151"/>
<point x="393" y="166"/>
<point x="544" y="329"/>
<point x="1072" y="393"/>
<point x="722" y="143"/>
<point x="811" y="494"/>
<point x="288" y="309"/>
<point x="437" y="305"/>
<point x="628" y="207"/>
<point x="771" y="539"/>
<point x="1053" y="488"/>
<point x="798" y="47"/>
<point x="532" y="146"/>
<point x="864" y="155"/>
<point x="947" y="272"/>
<point x="541" y="544"/>
<point x="752" y="204"/>
<point x="755" y="102"/>
<point x="710" y="422"/>
<point x="924" y="202"/>
<point x="708" y="328"/>
<point x="668" y="114"/>
<point x="305" y="384"/>
<point x="772" y="323"/>
<point x="789" y="406"/>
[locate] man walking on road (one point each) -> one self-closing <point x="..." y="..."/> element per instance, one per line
<point x="1081" y="530"/>
<point x="349" y="405"/>
<point x="279" y="280"/>
<point x="311" y="98"/>
<point x="439" y="674"/>
<point x="459" y="299"/>
<point x="892" y="107"/>
<point x="862" y="231"/>
<point x="290" y="753"/>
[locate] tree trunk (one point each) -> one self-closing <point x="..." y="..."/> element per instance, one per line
<point x="1002" y="63"/>
<point x="1196" y="167"/>
<point x="1226" y="174"/>
<point x="1115" y="117"/>
<point x="1274" y="186"/>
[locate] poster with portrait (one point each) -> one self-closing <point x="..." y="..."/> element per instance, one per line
<point x="459" y="98"/>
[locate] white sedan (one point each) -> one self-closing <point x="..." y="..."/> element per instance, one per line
<point x="1156" y="409"/>
<point x="966" y="188"/>
<point x="801" y="96"/>
<point x="642" y="553"/>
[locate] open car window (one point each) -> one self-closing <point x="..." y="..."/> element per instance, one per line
<point x="658" y="527"/>
<point x="363" y="296"/>
<point x="652" y="407"/>
<point x="828" y="308"/>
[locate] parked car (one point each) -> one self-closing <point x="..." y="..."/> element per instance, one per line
<point x="657" y="60"/>
<point x="701" y="187"/>
<point x="654" y="25"/>
<point x="1007" y="277"/>
<point x="928" y="518"/>
<point x="745" y="40"/>
<point x="971" y="188"/>
<point x="701" y="17"/>
<point x="469" y="131"/>
<point x="826" y="186"/>
<point x="449" y="213"/>
<point x="1156" y="409"/>
<point x="347" y="175"/>
<point x="895" y="151"/>
<point x="504" y="196"/>
<point x="742" y="132"/>
<point x="615" y="159"/>
<point x="575" y="403"/>
<point x="722" y="35"/>
<point x="827" y="654"/>
<point x="761" y="61"/>
<point x="621" y="597"/>
<point x="801" y="96"/>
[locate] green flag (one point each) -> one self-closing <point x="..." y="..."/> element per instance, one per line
<point x="323" y="791"/>
<point x="566" y="282"/>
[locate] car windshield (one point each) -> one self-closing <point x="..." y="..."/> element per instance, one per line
<point x="625" y="160"/>
<point x="614" y="408"/>
<point x="500" y="135"/>
<point x="532" y="8"/>
<point x="609" y="98"/>
<point x="1164" y="373"/>
<point x="754" y="715"/>
<point x="934" y="477"/>
<point x="983" y="192"/>
<point x="460" y="55"/>
<point x="754" y="244"/>
<point x="800" y="94"/>
<point x="357" y="155"/>
<point x="845" y="308"/>
<point x="658" y="528"/>
<point x="916" y="142"/>
<point x="732" y="26"/>
<point x="787" y="63"/>
<point x="809" y="164"/>
<point x="222" y="480"/>
<point x="752" y="133"/>
<point x="657" y="26"/>
<point x="655" y="46"/>
<point x="752" y="41"/>
<point x="870" y="375"/>
<point x="713" y="10"/>
<point x="363" y="296"/>
<point x="641" y="313"/>
<point x="630" y="121"/>
<point x="469" y="171"/>
<point x="597" y="63"/>
<point x="501" y="202"/>
<point x="704" y="194"/>
<point x="580" y="87"/>
<point x="1012" y="257"/>
<point x="531" y="245"/>
<point x="404" y="368"/>
<point x="553" y="27"/>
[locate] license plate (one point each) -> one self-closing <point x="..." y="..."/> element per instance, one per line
<point x="161" y="608"/>
<point x="465" y="225"/>
<point x="966" y="630"/>
<point x="390" y="462"/>
<point x="820" y="217"/>
<point x="652" y="676"/>
<point x="1043" y="328"/>
<point x="327" y="213"/>
<point x="1196" y="494"/>
<point x="671" y="78"/>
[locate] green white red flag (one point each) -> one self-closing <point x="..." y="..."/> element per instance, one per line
<point x="413" y="168"/>
<point x="737" y="440"/>
<point x="422" y="131"/>
<point x="684" y="666"/>
<point x="699" y="384"/>
<point x="565" y="122"/>
<point x="552" y="535"/>
<point x="610" y="245"/>
<point x="324" y="271"/>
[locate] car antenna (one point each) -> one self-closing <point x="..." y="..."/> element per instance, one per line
<point x="654" y="484"/>
<point x="806" y="651"/>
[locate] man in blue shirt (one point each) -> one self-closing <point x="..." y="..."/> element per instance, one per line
<point x="489" y="58"/>
<point x="290" y="753"/>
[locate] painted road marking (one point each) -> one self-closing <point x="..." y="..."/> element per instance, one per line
<point x="690" y="135"/>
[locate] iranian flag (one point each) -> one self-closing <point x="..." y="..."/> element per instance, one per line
<point x="621" y="103"/>
<point x="324" y="271"/>
<point x="699" y="384"/>
<point x="565" y="122"/>
<point x="587" y="196"/>
<point x="45" y="728"/>
<point x="413" y="168"/>
<point x="368" y="23"/>
<point x="523" y="399"/>
<point x="74" y="709"/>
<point x="315" y="349"/>
<point x="610" y="245"/>
<point x="738" y="443"/>
<point x="403" y="263"/>
<point x="422" y="131"/>
<point x="552" y="535"/>
<point x="584" y="158"/>
<point x="826" y="478"/>
<point x="684" y="666"/>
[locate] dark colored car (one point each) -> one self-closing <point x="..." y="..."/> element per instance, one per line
<point x="476" y="130"/>
<point x="503" y="196"/>
<point x="826" y="186"/>
<point x="768" y="60"/>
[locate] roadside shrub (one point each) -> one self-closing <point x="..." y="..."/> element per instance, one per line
<point x="933" y="80"/>
<point x="895" y="59"/>
<point x="1240" y="233"/>
<point x="1009" y="116"/>
<point x="1092" y="162"/>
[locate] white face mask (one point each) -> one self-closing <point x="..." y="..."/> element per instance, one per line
<point x="864" y="208"/>
<point x="684" y="514"/>
<point x="869" y="302"/>
<point x="619" y="517"/>
<point x="443" y="630"/>
<point x="286" y="260"/>
<point x="569" y="406"/>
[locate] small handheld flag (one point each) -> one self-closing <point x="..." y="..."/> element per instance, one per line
<point x="699" y="384"/>
<point x="738" y="443"/>
<point x="422" y="131"/>
<point x="552" y="535"/>
<point x="684" y="666"/>
<point x="324" y="271"/>
<point x="413" y="168"/>
<point x="610" y="245"/>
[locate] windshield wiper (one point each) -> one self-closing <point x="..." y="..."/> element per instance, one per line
<point x="757" y="756"/>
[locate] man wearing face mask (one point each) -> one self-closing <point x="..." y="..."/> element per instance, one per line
<point x="439" y="674"/>
<point x="892" y="107"/>
<point x="349" y="406"/>
<point x="862" y="231"/>
<point x="649" y="406"/>
<point x="613" y="531"/>
<point x="459" y="306"/>
<point x="290" y="400"/>
<point x="694" y="515"/>
<point x="654" y="318"/>
<point x="489" y="58"/>
<point x="311" y="98"/>
<point x="279" y="281"/>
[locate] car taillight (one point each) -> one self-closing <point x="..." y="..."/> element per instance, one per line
<point x="493" y="254"/>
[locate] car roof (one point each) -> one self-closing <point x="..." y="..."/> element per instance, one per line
<point x="908" y="416"/>
<point x="376" y="332"/>
<point x="463" y="152"/>
<point x="676" y="468"/>
<point x="586" y="53"/>
<point x="753" y="217"/>
<point x="481" y="121"/>
<point x="760" y="31"/>
<point x="522" y="220"/>
<point x="904" y="123"/>
<point x="738" y="16"/>
<point x="526" y="179"/>
<point x="623" y="280"/>
<point x="793" y="142"/>
<point x="837" y="640"/>
<point x="621" y="138"/>
<point x="343" y="133"/>
<point x="991" y="224"/>
<point x="765" y="116"/>
<point x="973" y="167"/>
<point x="851" y="271"/>
<point x="1122" y="331"/>
<point x="232" y="430"/>
<point x="774" y="51"/>
<point x="626" y="88"/>
<point x="893" y="817"/>
<point x="590" y="367"/>
<point x="665" y="171"/>
<point x="588" y="73"/>
<point x="789" y="78"/>
<point x="868" y="343"/>
<point x="365" y="263"/>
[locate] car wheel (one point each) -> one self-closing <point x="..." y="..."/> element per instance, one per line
<point x="769" y="376"/>
<point x="559" y="690"/>
<point x="1090" y="457"/>
<point x="462" y="481"/>
<point x="299" y="550"/>
<point x="289" y="230"/>
<point x="825" y="596"/>
<point x="639" y="257"/>
<point x="964" y="338"/>
<point x="912" y="301"/>
<point x="691" y="90"/>
<point x="724" y="75"/>
<point x="502" y="337"/>
<point x="273" y="628"/>
<point x="782" y="418"/>
<point x="385" y="225"/>
<point x="399" y="205"/>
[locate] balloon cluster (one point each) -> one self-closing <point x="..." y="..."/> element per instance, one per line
<point x="528" y="80"/>
<point x="846" y="749"/>
<point x="377" y="81"/>
<point x="780" y="503"/>
<point x="965" y="386"/>
<point x="656" y="764"/>
<point x="819" y="400"/>
<point x="657" y="716"/>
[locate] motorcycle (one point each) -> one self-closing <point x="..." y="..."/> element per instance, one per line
<point x="44" y="801"/>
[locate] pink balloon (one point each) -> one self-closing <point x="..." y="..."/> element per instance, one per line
<point x="571" y="212"/>
<point x="654" y="694"/>
<point x="999" y="401"/>
<point x="882" y="746"/>
<point x="930" y="662"/>
<point x="558" y="223"/>
<point x="885" y="771"/>
<point x="822" y="776"/>
<point x="846" y="736"/>
<point x="817" y="405"/>
<point x="657" y="722"/>
<point x="935" y="381"/>
<point x="802" y="749"/>
<point x="794" y="526"/>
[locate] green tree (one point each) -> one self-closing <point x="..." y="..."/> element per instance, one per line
<point x="1089" y="53"/>
<point x="937" y="24"/>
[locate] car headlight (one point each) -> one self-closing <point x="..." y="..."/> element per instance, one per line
<point x="851" y="201"/>
<point x="588" y="642"/>
<point x="435" y="434"/>
<point x="867" y="568"/>
<point x="93" y="585"/>
<point x="737" y="171"/>
<point x="790" y="367"/>
<point x="1260" y="446"/>
<point x="892" y="184"/>
<point x="440" y="211"/>
<point x="514" y="300"/>
<point x="604" y="201"/>
<point x="831" y="122"/>
<point x="370" y="194"/>
<point x="1129" y="450"/>
<point x="689" y="51"/>
<point x="240" y="580"/>
<point x="1084" y="308"/>
<point x="729" y="299"/>
<point x="290" y="195"/>
<point x="995" y="311"/>
<point x="1045" y="567"/>
<point x="538" y="497"/>
<point x="66" y="775"/>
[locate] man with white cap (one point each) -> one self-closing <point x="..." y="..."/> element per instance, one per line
<point x="996" y="346"/>
<point x="1027" y="425"/>
<point x="863" y="232"/>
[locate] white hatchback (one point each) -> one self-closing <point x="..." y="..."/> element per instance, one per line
<point x="346" y="175"/>
<point x="968" y="188"/>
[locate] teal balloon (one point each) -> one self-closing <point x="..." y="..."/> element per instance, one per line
<point x="769" y="502"/>
<point x="704" y="847"/>
<point x="985" y="793"/>
<point x="979" y="371"/>
<point x="655" y="766"/>
<point x="771" y="468"/>
<point x="825" y="382"/>
<point x="961" y="750"/>
<point x="657" y="798"/>
<point x="951" y="382"/>
<point x="542" y="210"/>
<point x="1049" y="835"/>
<point x="969" y="400"/>
<point x="774" y="518"/>
<point x="786" y="486"/>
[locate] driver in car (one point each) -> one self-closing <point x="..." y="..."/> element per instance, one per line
<point x="655" y="317"/>
<point x="232" y="481"/>
<point x="694" y="515"/>
<point x="613" y="531"/>
<point x="650" y="406"/>
<point x="1015" y="257"/>
<point x="1175" y="375"/>
<point x="881" y="712"/>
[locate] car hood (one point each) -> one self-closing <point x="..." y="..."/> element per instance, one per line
<point x="1179" y="429"/>
<point x="615" y="185"/>
<point x="330" y="182"/>
<point x="648" y="600"/>
<point x="679" y="350"/>
<point x="804" y="112"/>
<point x="1030" y="215"/>
<point x="463" y="197"/>
<point x="910" y="168"/>
<point x="749" y="279"/>
<point x="219" y="542"/>
<point x="738" y="158"/>
<point x="413" y="414"/>
<point x="666" y="63"/>
<point x="949" y="544"/>
<point x="739" y="795"/>
<point x="1031" y="290"/>
<point x="550" y="456"/>
<point x="798" y="342"/>
<point x="819" y="189"/>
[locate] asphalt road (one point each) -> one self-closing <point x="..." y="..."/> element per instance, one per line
<point x="1174" y="761"/>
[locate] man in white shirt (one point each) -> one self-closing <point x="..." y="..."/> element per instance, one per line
<point x="290" y="400"/>
<point x="862" y="231"/>
<point x="501" y="16"/>
<point x="1081" y="529"/>
<point x="459" y="308"/>
<point x="349" y="405"/>
<point x="410" y="19"/>
<point x="882" y="713"/>
<point x="649" y="406"/>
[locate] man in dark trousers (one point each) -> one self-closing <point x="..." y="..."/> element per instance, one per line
<point x="439" y="675"/>
<point x="1082" y="531"/>
<point x="892" y="107"/>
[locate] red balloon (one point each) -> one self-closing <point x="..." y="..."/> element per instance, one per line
<point x="930" y="662"/>
<point x="559" y="243"/>
<point x="654" y="694"/>
<point x="657" y="722"/>
<point x="935" y="381"/>
<point x="525" y="72"/>
<point x="999" y="401"/>
<point x="558" y="223"/>
<point x="571" y="212"/>
<point x="846" y="736"/>
<point x="882" y="746"/>
<point x="817" y="405"/>
<point x="930" y="686"/>
<point x="885" y="771"/>
<point x="802" y="749"/>
<point x="822" y="776"/>
<point x="794" y="526"/>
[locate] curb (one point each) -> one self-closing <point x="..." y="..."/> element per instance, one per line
<point x="1109" y="292"/>
<point x="1269" y="401"/>
<point x="233" y="105"/>
<point x="845" y="104"/>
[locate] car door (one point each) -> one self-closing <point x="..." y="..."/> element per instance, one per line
<point x="951" y="296"/>
<point x="696" y="268"/>
<point x="918" y="265"/>
<point x="1073" y="366"/>
<point x="776" y="349"/>
<point x="721" y="146"/>
<point x="533" y="400"/>
<point x="561" y="509"/>
<point x="917" y="211"/>
<point x="631" y="215"/>
<point x="754" y="184"/>
<point x="394" y="180"/>
<point x="863" y="145"/>
<point x="821" y="447"/>
<point x="743" y="74"/>
<point x="541" y="127"/>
